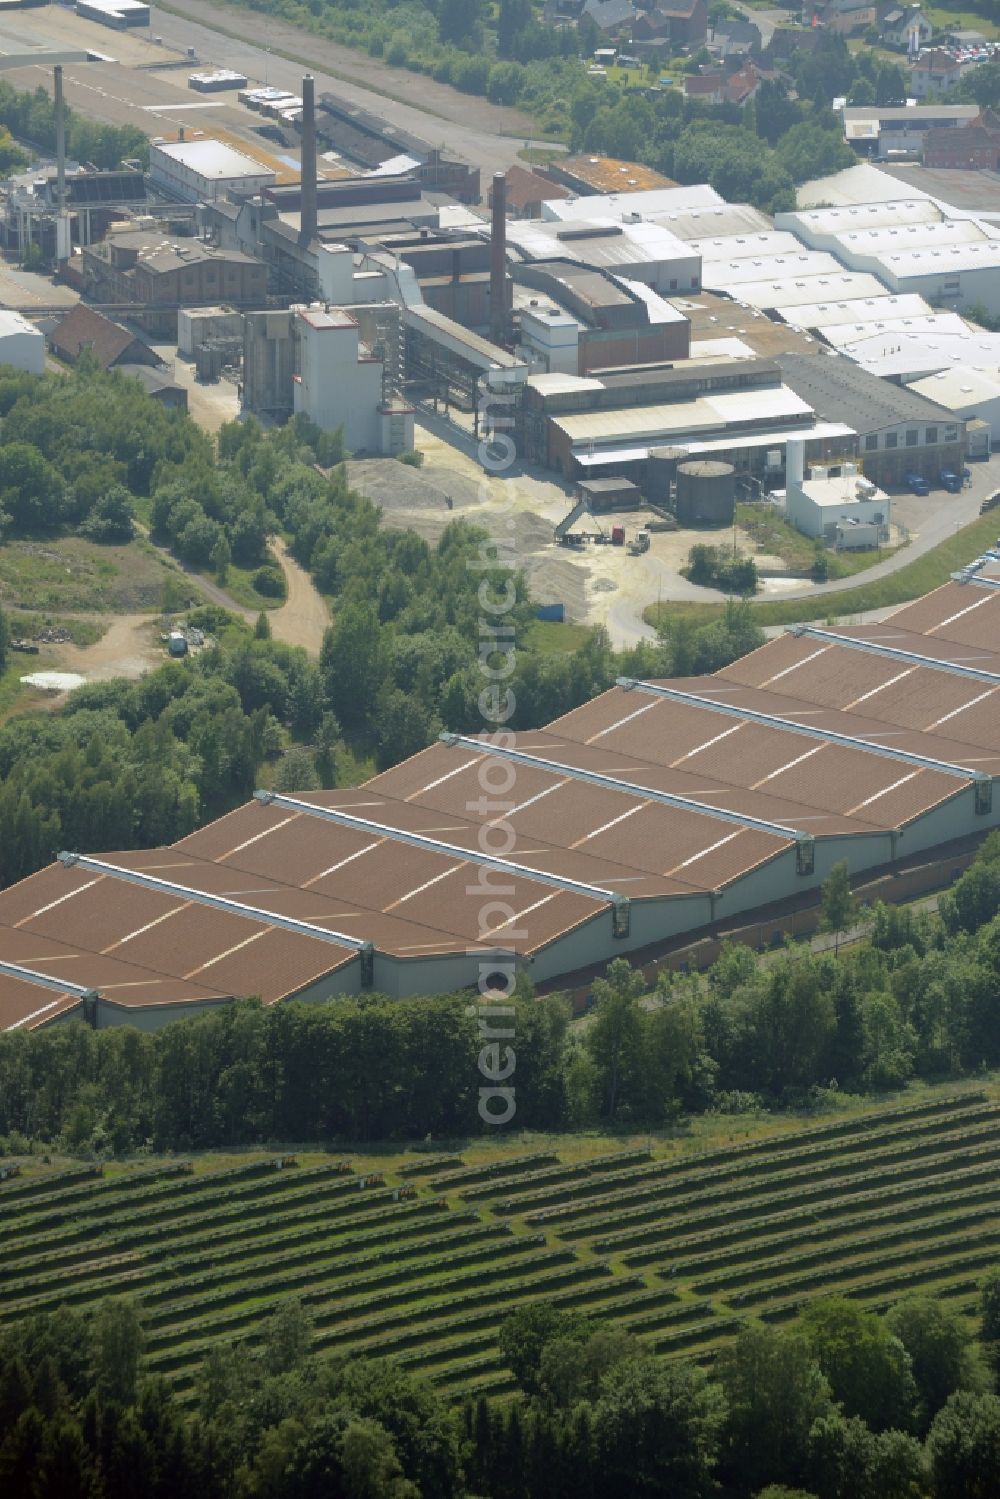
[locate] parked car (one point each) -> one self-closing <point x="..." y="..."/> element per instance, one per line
<point x="917" y="484"/>
<point x="951" y="481"/>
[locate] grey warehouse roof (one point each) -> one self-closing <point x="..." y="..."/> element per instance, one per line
<point x="836" y="388"/>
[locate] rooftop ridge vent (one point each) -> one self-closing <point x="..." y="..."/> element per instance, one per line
<point x="894" y="653"/>
<point x="629" y="788"/>
<point x="45" y="981"/>
<point x="438" y="846"/>
<point x="808" y="731"/>
<point x="217" y="902"/>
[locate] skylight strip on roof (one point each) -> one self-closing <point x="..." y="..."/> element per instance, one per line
<point x="893" y="653"/>
<point x="810" y="731"/>
<point x="45" y="981"/>
<point x="630" y="788"/>
<point x="216" y="902"/>
<point x="436" y="846"/>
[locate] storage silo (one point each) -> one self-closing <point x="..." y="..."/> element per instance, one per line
<point x="706" y="492"/>
<point x="661" y="471"/>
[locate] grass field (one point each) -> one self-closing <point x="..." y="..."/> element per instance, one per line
<point x="69" y="573"/>
<point x="907" y="582"/>
<point x="674" y="1242"/>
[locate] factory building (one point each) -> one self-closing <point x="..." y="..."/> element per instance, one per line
<point x="631" y="207"/>
<point x="658" y="810"/>
<point x="640" y="251"/>
<point x="904" y="357"/>
<point x="969" y="394"/>
<point x="845" y="509"/>
<point x="897" y="431"/>
<point x="157" y="275"/>
<point x="738" y="412"/>
<point x="85" y="330"/>
<point x="574" y="320"/>
<point x="370" y="142"/>
<point x="93" y="201"/>
<point x="203" y="171"/>
<point x="22" y="345"/>
<point x="911" y="247"/>
<point x="341" y="381"/>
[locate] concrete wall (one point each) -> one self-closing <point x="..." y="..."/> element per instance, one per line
<point x="22" y="347"/>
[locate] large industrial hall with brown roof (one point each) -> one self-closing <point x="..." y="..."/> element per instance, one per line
<point x="657" y="809"/>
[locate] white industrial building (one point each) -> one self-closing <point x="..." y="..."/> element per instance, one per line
<point x="630" y="207"/>
<point x="911" y="246"/>
<point x="116" y="13"/>
<point x="641" y="251"/>
<point x="970" y="393"/>
<point x="844" y="336"/>
<point x="962" y="277"/>
<point x="341" y="383"/>
<point x="763" y="244"/>
<point x="772" y="295"/>
<point x="845" y="509"/>
<point x="656" y="811"/>
<point x="904" y="357"/>
<point x="203" y="171"/>
<point x="822" y="315"/>
<point x="731" y="275"/>
<point x="819" y="227"/>
<point x="22" y="345"/>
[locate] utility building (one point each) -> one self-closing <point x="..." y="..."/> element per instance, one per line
<point x="657" y="810"/>
<point x="342" y="381"/>
<point x="204" y="171"/>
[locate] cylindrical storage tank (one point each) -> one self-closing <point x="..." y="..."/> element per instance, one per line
<point x="706" y="492"/>
<point x="661" y="471"/>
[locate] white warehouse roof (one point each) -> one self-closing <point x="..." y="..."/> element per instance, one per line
<point x="843" y="335"/>
<point x="928" y="262"/>
<point x="912" y="355"/>
<point x="731" y="218"/>
<point x="959" y="388"/>
<point x="722" y="274"/>
<point x="764" y="242"/>
<point x="786" y="293"/>
<point x="856" y="310"/>
<point x="859" y="215"/>
<point x="619" y="206"/>
<point x="14" y="323"/>
<point x="213" y="160"/>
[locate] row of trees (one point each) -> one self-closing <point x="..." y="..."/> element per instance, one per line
<point x="844" y="1404"/>
<point x="917" y="998"/>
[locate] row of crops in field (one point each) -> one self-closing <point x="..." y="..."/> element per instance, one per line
<point x="424" y="1262"/>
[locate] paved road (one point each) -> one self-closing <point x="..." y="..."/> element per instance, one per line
<point x="481" y="133"/>
<point x="765" y="20"/>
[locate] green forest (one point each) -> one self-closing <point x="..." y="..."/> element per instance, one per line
<point x="843" y="1403"/>
<point x="915" y="999"/>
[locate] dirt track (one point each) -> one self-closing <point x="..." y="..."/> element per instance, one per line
<point x="303" y="618"/>
<point x="129" y="648"/>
